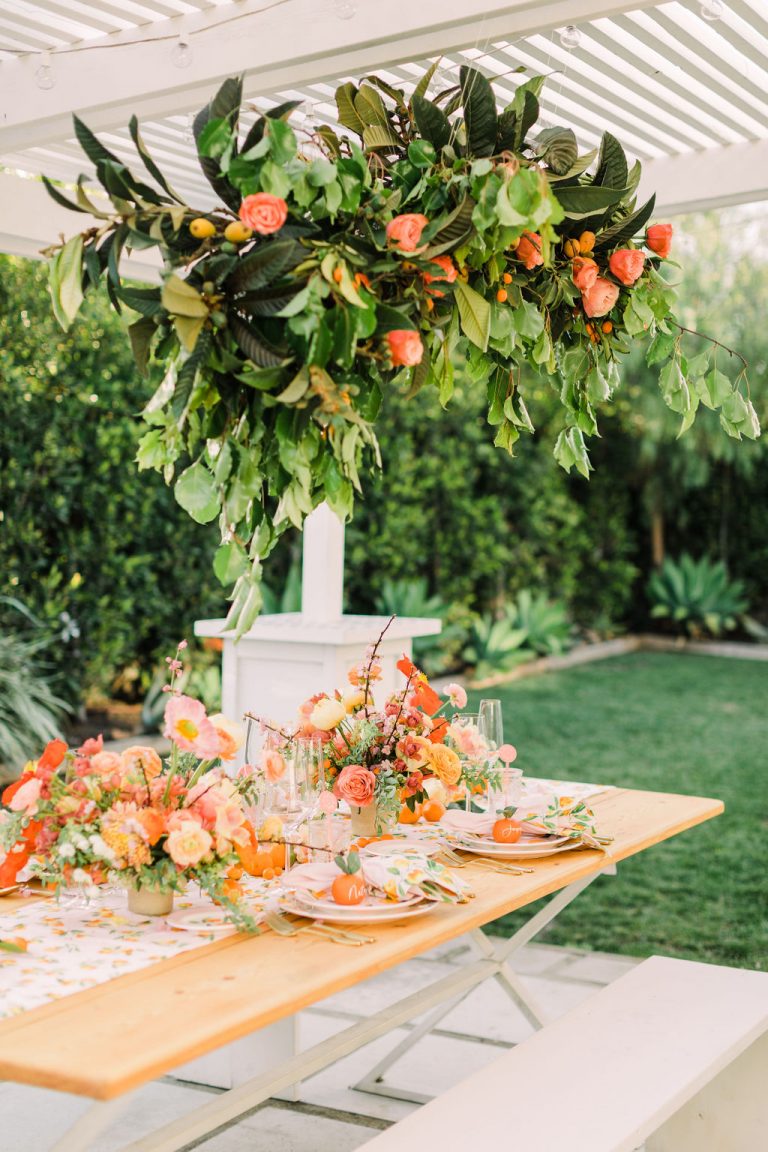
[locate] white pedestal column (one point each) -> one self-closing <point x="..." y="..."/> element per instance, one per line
<point x="280" y="662"/>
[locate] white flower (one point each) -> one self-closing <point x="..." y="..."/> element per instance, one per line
<point x="80" y="876"/>
<point x="66" y="851"/>
<point x="101" y="849"/>
<point x="80" y="842"/>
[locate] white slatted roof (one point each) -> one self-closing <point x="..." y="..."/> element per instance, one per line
<point x="686" y="95"/>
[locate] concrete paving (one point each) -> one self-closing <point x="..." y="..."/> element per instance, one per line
<point x="329" y="1114"/>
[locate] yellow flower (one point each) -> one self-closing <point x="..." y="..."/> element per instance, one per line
<point x="353" y="700"/>
<point x="444" y="763"/>
<point x="271" y="829"/>
<point x="327" y="714"/>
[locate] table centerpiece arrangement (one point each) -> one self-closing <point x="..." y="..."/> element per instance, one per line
<point x="79" y="817"/>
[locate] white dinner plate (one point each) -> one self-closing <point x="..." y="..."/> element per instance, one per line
<point x="402" y="847"/>
<point x="204" y="920"/>
<point x="495" y="851"/>
<point x="371" y="903"/>
<point x="360" y="913"/>
<point x="528" y="842"/>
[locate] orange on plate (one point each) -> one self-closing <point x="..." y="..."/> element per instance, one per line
<point x="433" y="811"/>
<point x="348" y="888"/>
<point x="507" y="831"/>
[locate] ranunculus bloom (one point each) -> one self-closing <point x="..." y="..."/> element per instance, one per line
<point x="353" y="700"/>
<point x="659" y="239"/>
<point x="414" y="750"/>
<point x="444" y="763"/>
<point x="529" y="250"/>
<point x="600" y="298"/>
<point x="141" y="762"/>
<point x="627" y="264"/>
<point x="26" y="797"/>
<point x="263" y="213"/>
<point x="187" y="725"/>
<point x="584" y="273"/>
<point x="405" y="348"/>
<point x="188" y="844"/>
<point x="153" y="822"/>
<point x="456" y="695"/>
<point x="230" y="734"/>
<point x="405" y="231"/>
<point x="55" y="751"/>
<point x="105" y="763"/>
<point x="449" y="273"/>
<point x="356" y="785"/>
<point x="327" y="714"/>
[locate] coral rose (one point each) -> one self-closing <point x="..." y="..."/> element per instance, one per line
<point x="445" y="764"/>
<point x="327" y="714"/>
<point x="659" y="239"/>
<point x="405" y="231"/>
<point x="188" y="844"/>
<point x="405" y="348"/>
<point x="600" y="298"/>
<point x="448" y="274"/>
<point x="627" y="265"/>
<point x="356" y="785"/>
<point x="584" y="273"/>
<point x="263" y="213"/>
<point x="105" y="763"/>
<point x="529" y="250"/>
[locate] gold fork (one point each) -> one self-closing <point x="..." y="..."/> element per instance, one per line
<point x="280" y="924"/>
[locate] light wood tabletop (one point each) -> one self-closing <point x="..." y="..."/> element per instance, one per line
<point x="116" y="1036"/>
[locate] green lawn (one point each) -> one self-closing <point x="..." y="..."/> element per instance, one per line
<point x="674" y="723"/>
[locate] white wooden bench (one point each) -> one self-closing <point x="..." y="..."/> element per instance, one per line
<point x="672" y="1057"/>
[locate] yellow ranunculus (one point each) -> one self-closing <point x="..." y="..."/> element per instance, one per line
<point x="353" y="700"/>
<point x="327" y="714"/>
<point x="444" y="763"/>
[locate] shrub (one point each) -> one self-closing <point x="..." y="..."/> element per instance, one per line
<point x="545" y="622"/>
<point x="696" y="595"/>
<point x="30" y="711"/>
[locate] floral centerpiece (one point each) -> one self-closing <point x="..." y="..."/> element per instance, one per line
<point x="76" y="817"/>
<point x="437" y="233"/>
<point x="378" y="759"/>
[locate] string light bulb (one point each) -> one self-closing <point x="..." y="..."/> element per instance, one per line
<point x="570" y="37"/>
<point x="713" y="10"/>
<point x="44" y="77"/>
<point x="181" y="53"/>
<point x="344" y="9"/>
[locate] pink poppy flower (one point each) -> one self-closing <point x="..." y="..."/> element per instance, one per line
<point x="188" y="726"/>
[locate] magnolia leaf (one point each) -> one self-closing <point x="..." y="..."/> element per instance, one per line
<point x="187" y="375"/>
<point x="143" y="300"/>
<point x="612" y="169"/>
<point x="149" y="163"/>
<point x="140" y="334"/>
<point x="585" y="199"/>
<point x="297" y="389"/>
<point x="455" y="229"/>
<point x="180" y="298"/>
<point x="558" y="149"/>
<point x="265" y="264"/>
<point x="421" y="88"/>
<point x="627" y="228"/>
<point x="66" y="281"/>
<point x="54" y="193"/>
<point x="345" y="104"/>
<point x="431" y="122"/>
<point x="474" y="314"/>
<point x="378" y="136"/>
<point x="197" y="493"/>
<point x="370" y="107"/>
<point x="258" y="351"/>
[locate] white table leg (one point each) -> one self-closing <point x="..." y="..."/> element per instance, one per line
<point x="80" y="1137"/>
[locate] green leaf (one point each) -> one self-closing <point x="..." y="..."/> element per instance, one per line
<point x="586" y="199"/>
<point x="423" y="84"/>
<point x="66" y="281"/>
<point x="612" y="170"/>
<point x="267" y="262"/>
<point x="230" y="562"/>
<point x="714" y="388"/>
<point x="149" y="163"/>
<point x="479" y="112"/>
<point x="196" y="492"/>
<point x="456" y="228"/>
<point x="185" y="380"/>
<point x="143" y="300"/>
<point x="422" y="153"/>
<point x="297" y="389"/>
<point x="431" y="122"/>
<point x="91" y="145"/>
<point x="140" y="334"/>
<point x="215" y="138"/>
<point x="378" y="136"/>
<point x="558" y="149"/>
<point x="254" y="345"/>
<point x="474" y="314"/>
<point x="661" y="348"/>
<point x="625" y="229"/>
<point x="181" y="299"/>
<point x="54" y="193"/>
<point x="370" y="107"/>
<point x="345" y="104"/>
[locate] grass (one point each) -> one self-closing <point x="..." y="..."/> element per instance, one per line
<point x="671" y="723"/>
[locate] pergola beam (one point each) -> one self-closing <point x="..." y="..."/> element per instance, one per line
<point x="714" y="178"/>
<point x="277" y="47"/>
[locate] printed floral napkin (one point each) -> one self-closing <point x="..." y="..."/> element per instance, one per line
<point x="541" y="814"/>
<point x="396" y="877"/>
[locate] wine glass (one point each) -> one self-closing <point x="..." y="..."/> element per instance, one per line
<point x="491" y="723"/>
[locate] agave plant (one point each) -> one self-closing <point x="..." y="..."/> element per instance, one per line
<point x="697" y="595"/>
<point x="410" y="597"/>
<point x="495" y="645"/>
<point x="545" y="622"/>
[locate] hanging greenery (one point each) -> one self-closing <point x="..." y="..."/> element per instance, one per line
<point x="439" y="233"/>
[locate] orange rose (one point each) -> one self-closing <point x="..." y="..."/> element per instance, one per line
<point x="405" y="348"/>
<point x="584" y="273"/>
<point x="529" y="250"/>
<point x="659" y="239"/>
<point x="600" y="298"/>
<point x="405" y="231"/>
<point x="449" y="273"/>
<point x="356" y="785"/>
<point x="445" y="764"/>
<point x="627" y="265"/>
<point x="263" y="213"/>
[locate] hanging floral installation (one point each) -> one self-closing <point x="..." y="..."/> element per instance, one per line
<point x="439" y="236"/>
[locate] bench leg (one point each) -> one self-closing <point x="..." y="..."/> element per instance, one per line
<point x="499" y="969"/>
<point x="80" y="1137"/>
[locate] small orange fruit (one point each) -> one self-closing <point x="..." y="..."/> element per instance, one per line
<point x="268" y="874"/>
<point x="277" y="852"/>
<point x="507" y="831"/>
<point x="607" y="326"/>
<point x="235" y="872"/>
<point x="237" y="233"/>
<point x="433" y="811"/>
<point x="201" y="228"/>
<point x="502" y="295"/>
<point x="507" y="278"/>
<point x="337" y="275"/>
<point x="572" y="248"/>
<point x="348" y="888"/>
<point x="587" y="241"/>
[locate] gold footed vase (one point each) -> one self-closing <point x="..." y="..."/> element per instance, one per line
<point x="370" y="821"/>
<point x="149" y="902"/>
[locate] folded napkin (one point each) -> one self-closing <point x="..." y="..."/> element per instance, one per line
<point x="541" y="814"/>
<point x="398" y="877"/>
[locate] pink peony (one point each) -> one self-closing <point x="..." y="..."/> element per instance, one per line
<point x="188" y="843"/>
<point x="187" y="725"/>
<point x="600" y="298"/>
<point x="356" y="785"/>
<point x="405" y="231"/>
<point x="456" y="695"/>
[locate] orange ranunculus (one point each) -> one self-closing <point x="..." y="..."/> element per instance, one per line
<point x="439" y="731"/>
<point x="600" y="298"/>
<point x="584" y="273"/>
<point x="12" y="789"/>
<point x="529" y="250"/>
<point x="55" y="751"/>
<point x="405" y="348"/>
<point x="659" y="239"/>
<point x="405" y="231"/>
<point x="153" y="822"/>
<point x="627" y="264"/>
<point x="448" y="273"/>
<point x="30" y="834"/>
<point x="263" y="213"/>
<point x="407" y="667"/>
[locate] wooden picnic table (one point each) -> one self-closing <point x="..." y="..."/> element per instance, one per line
<point x="116" y="1036"/>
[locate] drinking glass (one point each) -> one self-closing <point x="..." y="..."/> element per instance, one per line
<point x="491" y="722"/>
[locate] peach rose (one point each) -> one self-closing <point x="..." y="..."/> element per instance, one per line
<point x="584" y="273"/>
<point x="105" y="763"/>
<point x="405" y="231"/>
<point x="139" y="760"/>
<point x="405" y="348"/>
<point x="659" y="239"/>
<point x="448" y="273"/>
<point x="188" y="843"/>
<point x="356" y="785"/>
<point x="445" y="764"/>
<point x="529" y="250"/>
<point x="627" y="265"/>
<point x="263" y="213"/>
<point x="600" y="298"/>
